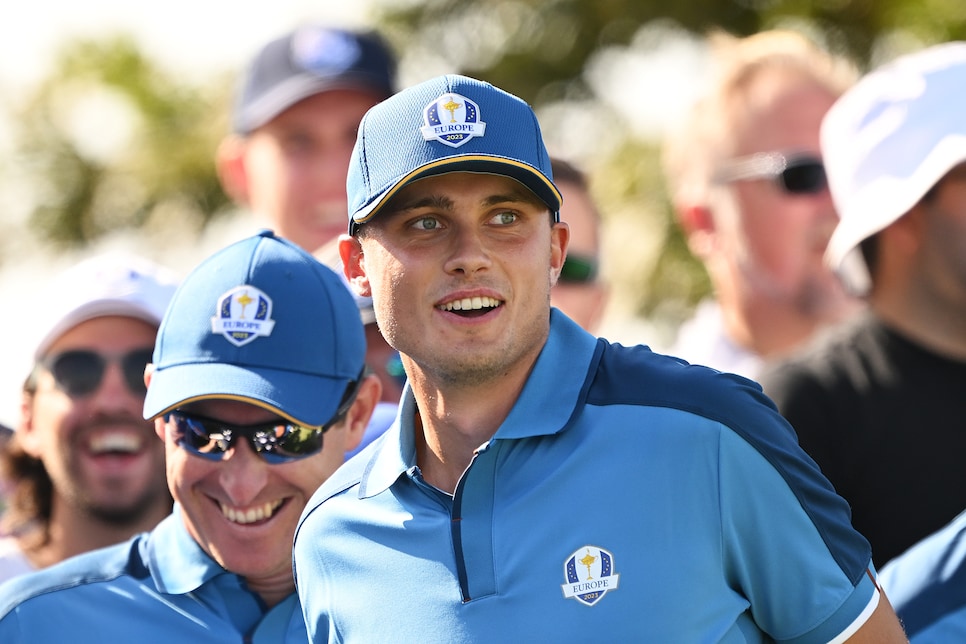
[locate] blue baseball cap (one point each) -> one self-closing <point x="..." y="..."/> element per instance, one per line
<point x="264" y="322"/>
<point x="307" y="61"/>
<point x="446" y="124"/>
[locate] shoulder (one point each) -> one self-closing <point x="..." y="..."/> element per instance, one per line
<point x="835" y="358"/>
<point x="927" y="583"/>
<point x="638" y="376"/>
<point x="92" y="567"/>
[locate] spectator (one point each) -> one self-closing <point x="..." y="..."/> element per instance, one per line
<point x="579" y="291"/>
<point x="83" y="469"/>
<point x="879" y="404"/>
<point x="294" y="124"/>
<point x="257" y="391"/>
<point x="536" y="470"/>
<point x="745" y="177"/>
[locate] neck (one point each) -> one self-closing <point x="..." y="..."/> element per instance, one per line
<point x="925" y="319"/>
<point x="453" y="421"/>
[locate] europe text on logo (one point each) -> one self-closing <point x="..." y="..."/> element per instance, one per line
<point x="590" y="575"/>
<point x="244" y="313"/>
<point x="453" y="120"/>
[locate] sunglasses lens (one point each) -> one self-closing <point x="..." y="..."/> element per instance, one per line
<point x="200" y="437"/>
<point x="287" y="442"/>
<point x="77" y="372"/>
<point x="275" y="443"/>
<point x="133" y="365"/>
<point x="578" y="269"/>
<point x="804" y="177"/>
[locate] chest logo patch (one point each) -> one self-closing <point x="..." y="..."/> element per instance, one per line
<point x="589" y="575"/>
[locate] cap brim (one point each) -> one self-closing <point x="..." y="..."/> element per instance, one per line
<point x="301" y="398"/>
<point x="529" y="176"/>
<point x="299" y="88"/>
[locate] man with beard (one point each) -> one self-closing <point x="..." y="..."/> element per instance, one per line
<point x="83" y="468"/>
<point x="745" y="176"/>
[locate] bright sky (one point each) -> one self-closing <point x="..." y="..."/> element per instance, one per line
<point x="194" y="37"/>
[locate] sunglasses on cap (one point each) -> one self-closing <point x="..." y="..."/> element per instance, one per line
<point x="797" y="174"/>
<point x="277" y="441"/>
<point x="79" y="372"/>
<point x="578" y="269"/>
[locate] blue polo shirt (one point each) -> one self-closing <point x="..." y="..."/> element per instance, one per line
<point x="627" y="496"/>
<point x="158" y="587"/>
<point x="927" y="586"/>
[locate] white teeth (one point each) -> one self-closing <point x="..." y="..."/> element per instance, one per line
<point x="250" y="515"/>
<point x="115" y="442"/>
<point x="471" y="304"/>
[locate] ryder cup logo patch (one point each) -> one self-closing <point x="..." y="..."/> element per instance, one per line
<point x="590" y="575"/>
<point x="452" y="120"/>
<point x="244" y="313"/>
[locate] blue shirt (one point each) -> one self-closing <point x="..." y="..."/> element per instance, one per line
<point x="627" y="496"/>
<point x="927" y="586"/>
<point x="158" y="587"/>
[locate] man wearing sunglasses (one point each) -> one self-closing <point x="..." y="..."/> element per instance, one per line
<point x="745" y="177"/>
<point x="579" y="291"/>
<point x="257" y="390"/>
<point x="880" y="403"/>
<point x="84" y="470"/>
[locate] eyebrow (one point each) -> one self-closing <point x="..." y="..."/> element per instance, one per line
<point x="442" y="202"/>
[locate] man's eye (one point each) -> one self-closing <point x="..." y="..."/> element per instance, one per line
<point x="504" y="218"/>
<point x="426" y="223"/>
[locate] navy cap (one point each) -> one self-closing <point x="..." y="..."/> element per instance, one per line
<point x="446" y="124"/>
<point x="308" y="61"/>
<point x="260" y="321"/>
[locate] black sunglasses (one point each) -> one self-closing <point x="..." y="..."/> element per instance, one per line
<point x="797" y="174"/>
<point x="578" y="269"/>
<point x="79" y="372"/>
<point x="277" y="441"/>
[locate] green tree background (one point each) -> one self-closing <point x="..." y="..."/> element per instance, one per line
<point x="111" y="142"/>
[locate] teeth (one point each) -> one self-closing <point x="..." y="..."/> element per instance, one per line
<point x="250" y="515"/>
<point x="471" y="304"/>
<point x="115" y="442"/>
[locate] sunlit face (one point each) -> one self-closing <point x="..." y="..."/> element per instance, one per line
<point x="459" y="267"/>
<point x="101" y="455"/>
<point x="243" y="510"/>
<point x="770" y="242"/>
<point x="581" y="301"/>
<point x="296" y="166"/>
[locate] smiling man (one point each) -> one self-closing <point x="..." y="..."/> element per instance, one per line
<point x="541" y="484"/>
<point x="257" y="390"/>
<point x="84" y="469"/>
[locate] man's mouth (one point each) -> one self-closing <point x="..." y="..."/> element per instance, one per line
<point x="471" y="305"/>
<point x="115" y="443"/>
<point x="251" y="515"/>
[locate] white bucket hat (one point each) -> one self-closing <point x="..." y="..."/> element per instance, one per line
<point x="886" y="142"/>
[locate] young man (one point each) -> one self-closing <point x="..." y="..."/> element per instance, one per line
<point x="257" y="391"/>
<point x="744" y="173"/>
<point x="83" y="470"/>
<point x="542" y="484"/>
<point x="879" y="404"/>
<point x="294" y="126"/>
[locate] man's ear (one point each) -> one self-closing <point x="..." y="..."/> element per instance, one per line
<point x="25" y="434"/>
<point x="357" y="418"/>
<point x="353" y="263"/>
<point x="230" y="164"/>
<point x="699" y="228"/>
<point x="559" y="242"/>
